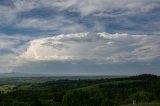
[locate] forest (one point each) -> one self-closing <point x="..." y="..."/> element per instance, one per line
<point x="140" y="90"/>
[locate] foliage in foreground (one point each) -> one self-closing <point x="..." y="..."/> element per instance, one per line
<point x="104" y="92"/>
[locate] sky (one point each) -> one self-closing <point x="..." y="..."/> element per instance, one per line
<point x="80" y="37"/>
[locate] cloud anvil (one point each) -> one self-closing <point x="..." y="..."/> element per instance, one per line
<point x="102" y="47"/>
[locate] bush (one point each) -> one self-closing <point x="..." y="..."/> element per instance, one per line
<point x="143" y="96"/>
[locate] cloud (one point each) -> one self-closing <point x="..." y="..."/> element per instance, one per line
<point x="24" y="22"/>
<point x="109" y="7"/>
<point x="94" y="47"/>
<point x="10" y="48"/>
<point x="87" y="7"/>
<point x="72" y="16"/>
<point x="59" y="23"/>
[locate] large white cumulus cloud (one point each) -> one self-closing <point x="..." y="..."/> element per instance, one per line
<point x="95" y="47"/>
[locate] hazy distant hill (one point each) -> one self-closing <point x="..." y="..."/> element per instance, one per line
<point x="72" y="77"/>
<point x="17" y="78"/>
<point x="18" y="74"/>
